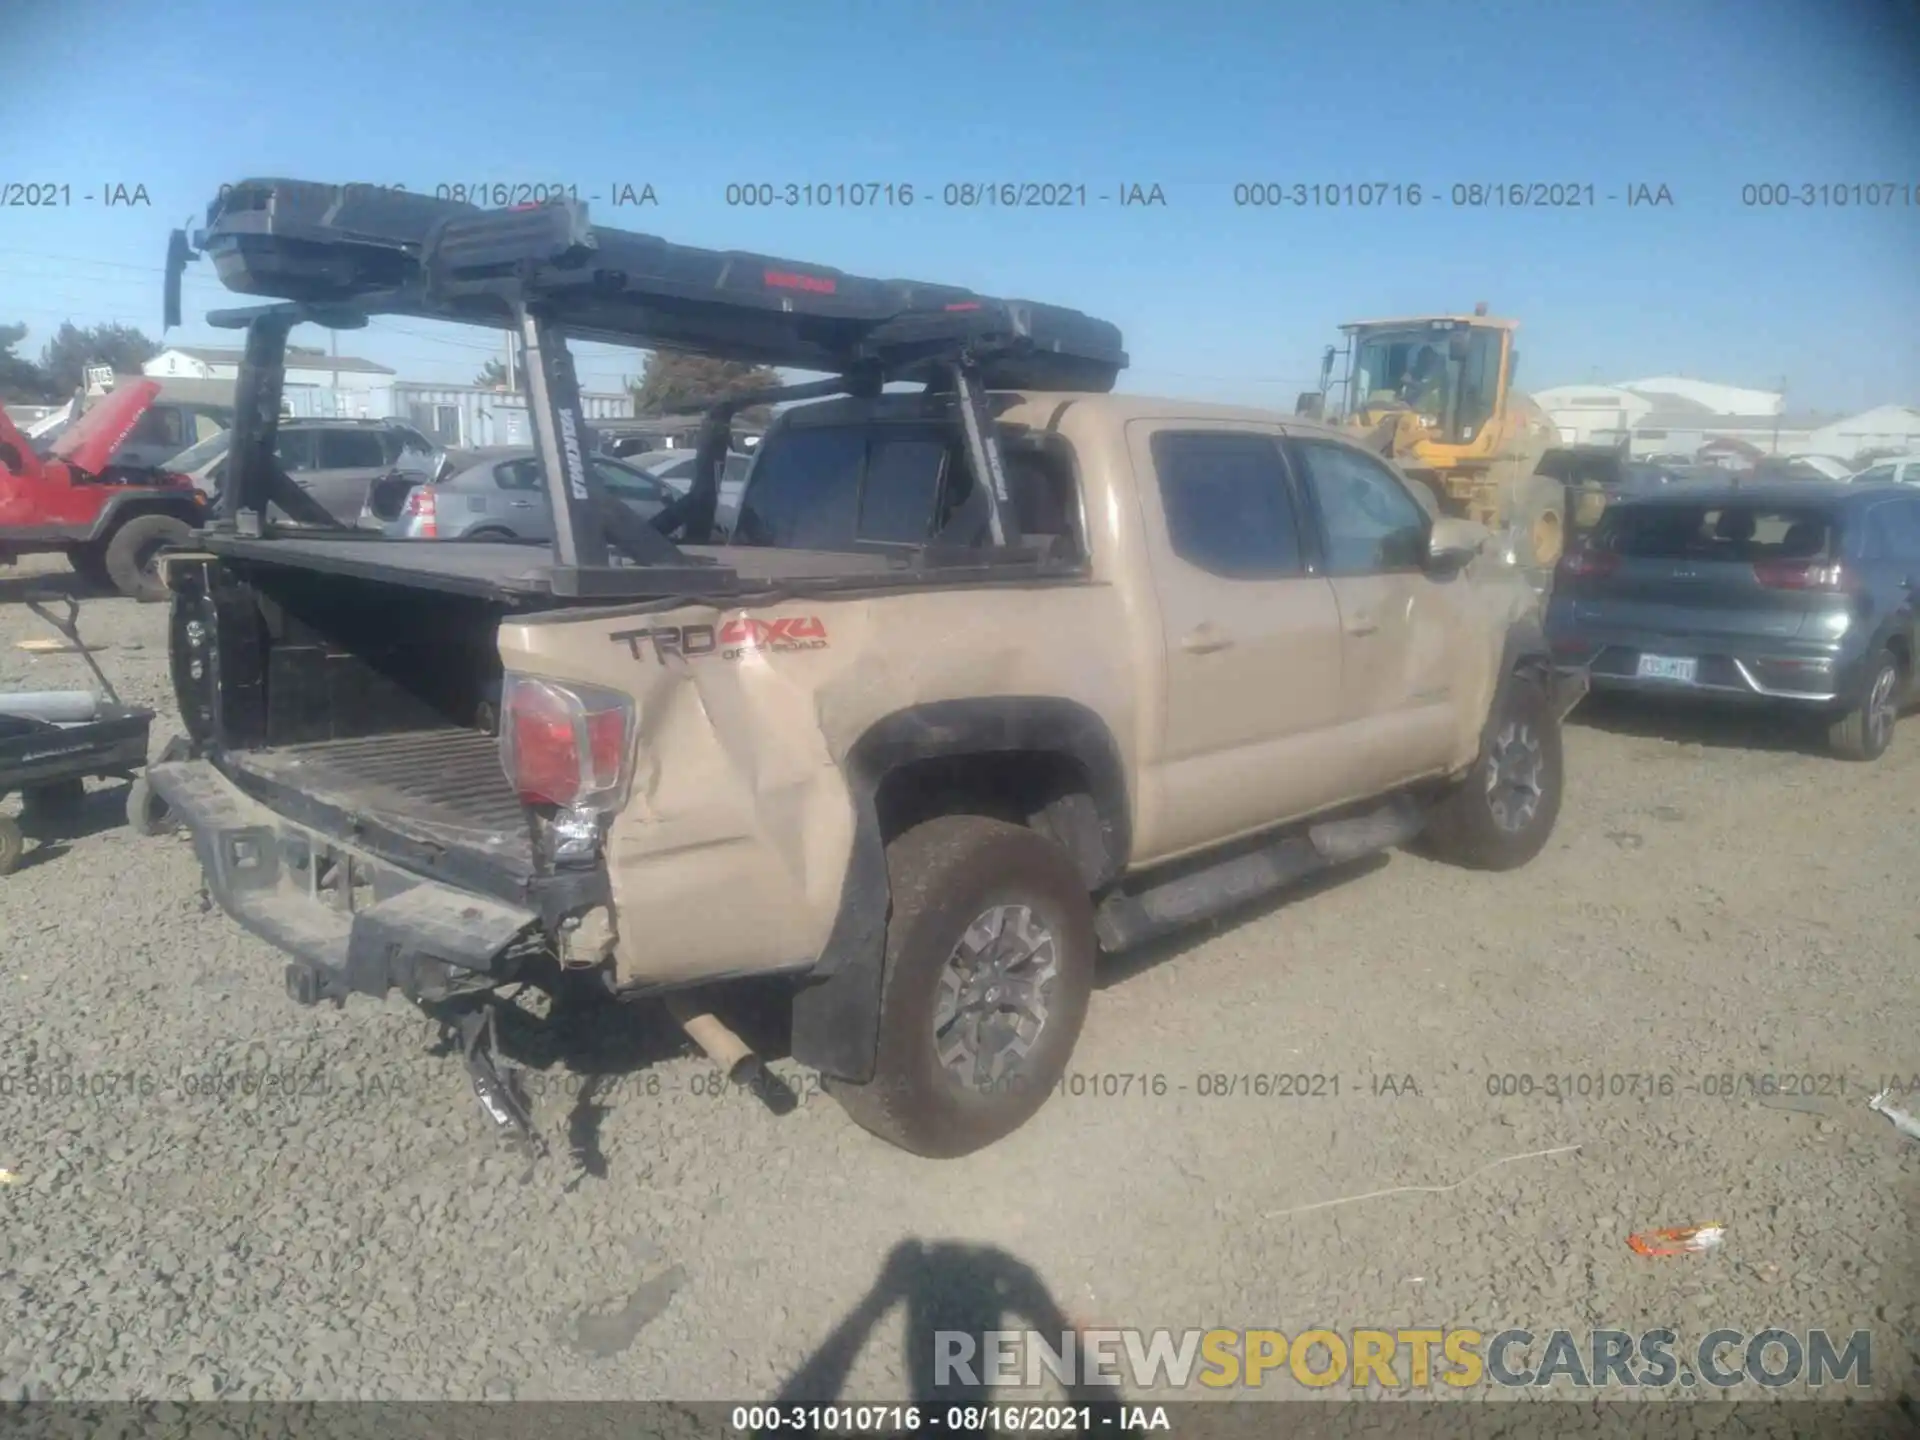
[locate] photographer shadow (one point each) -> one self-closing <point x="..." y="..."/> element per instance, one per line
<point x="967" y="1290"/>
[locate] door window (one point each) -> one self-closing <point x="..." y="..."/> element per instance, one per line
<point x="629" y="485"/>
<point x="351" y="450"/>
<point x="1369" y="522"/>
<point x="294" y="450"/>
<point x="521" y="474"/>
<point x="161" y="425"/>
<point x="1227" y="504"/>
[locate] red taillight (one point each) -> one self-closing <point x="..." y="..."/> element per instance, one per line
<point x="424" y="510"/>
<point x="1801" y="574"/>
<point x="1581" y="563"/>
<point x="565" y="745"/>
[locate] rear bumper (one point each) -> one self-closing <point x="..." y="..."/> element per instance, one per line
<point x="353" y="922"/>
<point x="1814" y="676"/>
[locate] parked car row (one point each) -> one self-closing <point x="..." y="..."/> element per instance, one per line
<point x="499" y="494"/>
<point x="334" y="461"/>
<point x="1895" y="470"/>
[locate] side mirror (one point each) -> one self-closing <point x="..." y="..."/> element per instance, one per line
<point x="1311" y="405"/>
<point x="1453" y="543"/>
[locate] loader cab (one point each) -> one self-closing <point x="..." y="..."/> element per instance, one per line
<point x="1452" y="372"/>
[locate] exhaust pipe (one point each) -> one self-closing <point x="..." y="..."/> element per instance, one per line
<point x="732" y="1054"/>
<point x="723" y="1047"/>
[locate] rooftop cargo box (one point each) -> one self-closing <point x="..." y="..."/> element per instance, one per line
<point x="392" y="252"/>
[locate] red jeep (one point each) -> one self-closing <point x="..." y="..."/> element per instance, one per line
<point x="111" y="521"/>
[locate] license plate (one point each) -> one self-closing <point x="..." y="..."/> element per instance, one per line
<point x="1668" y="667"/>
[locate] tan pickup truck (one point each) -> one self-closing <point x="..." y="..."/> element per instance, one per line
<point x="934" y="744"/>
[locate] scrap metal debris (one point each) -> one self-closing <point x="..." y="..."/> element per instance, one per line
<point x="1902" y="1121"/>
<point x="1687" y="1240"/>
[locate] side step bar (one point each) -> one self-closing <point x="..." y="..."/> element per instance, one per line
<point x="1132" y="917"/>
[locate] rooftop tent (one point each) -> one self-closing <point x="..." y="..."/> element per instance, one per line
<point x="391" y="252"/>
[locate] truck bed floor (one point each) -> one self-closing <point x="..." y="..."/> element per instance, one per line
<point x="433" y="784"/>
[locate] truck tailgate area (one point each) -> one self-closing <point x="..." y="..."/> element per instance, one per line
<point x="352" y="920"/>
<point x="442" y="786"/>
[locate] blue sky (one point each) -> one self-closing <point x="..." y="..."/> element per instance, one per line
<point x="1216" y="300"/>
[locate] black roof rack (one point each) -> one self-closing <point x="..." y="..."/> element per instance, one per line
<point x="376" y="251"/>
<point x="334" y="255"/>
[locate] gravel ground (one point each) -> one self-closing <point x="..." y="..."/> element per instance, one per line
<point x="1716" y="902"/>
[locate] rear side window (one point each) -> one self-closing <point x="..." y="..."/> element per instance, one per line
<point x="1893" y="531"/>
<point x="1226" y="502"/>
<point x="407" y="443"/>
<point x="903" y="487"/>
<point x="836" y="488"/>
<point x="806" y="492"/>
<point x="1734" y="531"/>
<point x="351" y="450"/>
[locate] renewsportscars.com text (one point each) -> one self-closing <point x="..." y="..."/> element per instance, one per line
<point x="1401" y="1359"/>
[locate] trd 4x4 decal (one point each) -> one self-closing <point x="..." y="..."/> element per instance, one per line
<point x="729" y="640"/>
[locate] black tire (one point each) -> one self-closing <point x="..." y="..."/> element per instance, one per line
<point x="947" y="875"/>
<point x="147" y="813"/>
<point x="55" y="803"/>
<point x="13" y="845"/>
<point x="90" y="564"/>
<point x="1484" y="823"/>
<point x="1865" y="731"/>
<point x="489" y="532"/>
<point x="132" y="550"/>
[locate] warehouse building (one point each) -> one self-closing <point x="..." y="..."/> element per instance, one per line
<point x="347" y="387"/>
<point x="1673" y="415"/>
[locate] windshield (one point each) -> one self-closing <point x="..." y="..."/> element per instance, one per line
<point x="1735" y="531"/>
<point x="1414" y="367"/>
<point x="194" y="456"/>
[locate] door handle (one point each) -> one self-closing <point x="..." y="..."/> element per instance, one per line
<point x="521" y="504"/>
<point x="1204" y="640"/>
<point x="1362" y="625"/>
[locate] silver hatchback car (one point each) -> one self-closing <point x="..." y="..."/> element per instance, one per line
<point x="499" y="495"/>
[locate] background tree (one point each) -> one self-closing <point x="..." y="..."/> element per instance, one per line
<point x="493" y="375"/>
<point x="73" y="348"/>
<point x="21" y="381"/>
<point x="673" y="383"/>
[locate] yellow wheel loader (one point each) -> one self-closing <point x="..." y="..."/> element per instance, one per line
<point x="1434" y="394"/>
